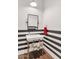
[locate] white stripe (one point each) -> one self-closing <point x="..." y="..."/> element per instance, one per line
<point x="20" y="33"/>
<point x="21" y="37"/>
<point x="53" y="39"/>
<point x="22" y="46"/>
<point x="20" y="42"/>
<point x="53" y="49"/>
<point x="53" y="44"/>
<point x="58" y="35"/>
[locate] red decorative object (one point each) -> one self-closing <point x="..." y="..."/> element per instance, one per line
<point x="45" y="31"/>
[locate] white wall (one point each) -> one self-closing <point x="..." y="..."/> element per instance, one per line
<point x="52" y="17"/>
<point x="24" y="8"/>
<point x="48" y="11"/>
<point x="52" y="14"/>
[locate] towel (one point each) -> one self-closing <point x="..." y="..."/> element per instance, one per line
<point x="45" y="31"/>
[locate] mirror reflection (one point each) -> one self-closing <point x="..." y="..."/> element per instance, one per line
<point x="32" y="22"/>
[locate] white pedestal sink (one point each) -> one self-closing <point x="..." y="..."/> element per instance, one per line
<point x="31" y="38"/>
<point x="35" y="46"/>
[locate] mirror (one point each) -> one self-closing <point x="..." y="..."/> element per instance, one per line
<point x="32" y="22"/>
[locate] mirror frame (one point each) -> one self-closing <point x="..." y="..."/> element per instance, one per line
<point x="28" y="21"/>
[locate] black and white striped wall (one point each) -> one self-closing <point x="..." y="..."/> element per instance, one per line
<point x="52" y="42"/>
<point x="22" y="42"/>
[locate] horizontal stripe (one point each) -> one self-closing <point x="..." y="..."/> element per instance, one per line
<point x="23" y="48"/>
<point x="52" y="36"/>
<point x="54" y="31"/>
<point x="26" y="43"/>
<point x="29" y="30"/>
<point x="53" y="46"/>
<point x="55" y="34"/>
<point x="20" y="42"/>
<point x="52" y="41"/>
<point x="22" y="35"/>
<point x="22" y="39"/>
<point x="53" y="51"/>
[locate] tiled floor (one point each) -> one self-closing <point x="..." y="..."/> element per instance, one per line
<point x="36" y="55"/>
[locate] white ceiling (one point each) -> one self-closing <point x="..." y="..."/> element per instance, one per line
<point x="26" y="3"/>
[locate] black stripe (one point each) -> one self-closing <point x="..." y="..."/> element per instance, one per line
<point x="26" y="43"/>
<point x="29" y="30"/>
<point x="52" y="51"/>
<point x="54" y="31"/>
<point x="21" y="35"/>
<point x="52" y="36"/>
<point x="52" y="41"/>
<point x="22" y="30"/>
<point x="22" y="44"/>
<point x="24" y="39"/>
<point x="23" y="48"/>
<point x="53" y="46"/>
<point x="41" y="33"/>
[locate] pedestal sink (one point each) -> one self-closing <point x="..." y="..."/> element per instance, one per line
<point x="35" y="45"/>
<point x="37" y="41"/>
<point x="36" y="37"/>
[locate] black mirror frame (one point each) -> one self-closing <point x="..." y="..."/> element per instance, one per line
<point x="28" y="21"/>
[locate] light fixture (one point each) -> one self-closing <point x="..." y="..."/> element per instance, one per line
<point x="33" y="4"/>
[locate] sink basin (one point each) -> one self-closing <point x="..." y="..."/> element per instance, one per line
<point x="34" y="37"/>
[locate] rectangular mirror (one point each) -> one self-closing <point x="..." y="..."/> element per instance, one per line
<point x="32" y="22"/>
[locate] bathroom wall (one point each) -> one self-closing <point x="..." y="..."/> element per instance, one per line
<point x="52" y="18"/>
<point x="52" y="14"/>
<point x="24" y="8"/>
<point x="49" y="12"/>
